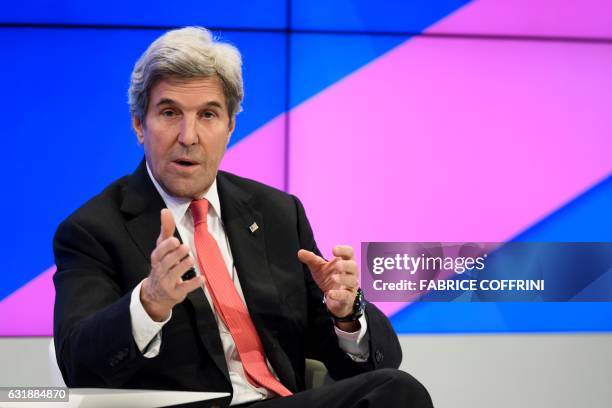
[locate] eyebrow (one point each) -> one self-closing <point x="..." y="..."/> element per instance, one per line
<point x="169" y="101"/>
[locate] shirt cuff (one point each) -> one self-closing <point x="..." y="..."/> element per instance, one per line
<point x="355" y="344"/>
<point x="146" y="331"/>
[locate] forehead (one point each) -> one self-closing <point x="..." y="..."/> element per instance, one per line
<point x="188" y="92"/>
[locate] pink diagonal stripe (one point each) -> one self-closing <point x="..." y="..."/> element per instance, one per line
<point x="553" y="18"/>
<point x="260" y="156"/>
<point x="453" y="140"/>
<point x="29" y="310"/>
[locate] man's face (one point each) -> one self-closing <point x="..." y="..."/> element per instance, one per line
<point x="185" y="134"/>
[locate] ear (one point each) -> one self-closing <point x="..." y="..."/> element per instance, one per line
<point x="138" y="127"/>
<point x="230" y="129"/>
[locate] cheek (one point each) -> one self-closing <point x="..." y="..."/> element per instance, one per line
<point x="225" y="137"/>
<point x="158" y="143"/>
<point x="155" y="154"/>
<point x="221" y="148"/>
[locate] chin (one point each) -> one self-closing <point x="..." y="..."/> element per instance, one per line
<point x="185" y="192"/>
<point x="186" y="189"/>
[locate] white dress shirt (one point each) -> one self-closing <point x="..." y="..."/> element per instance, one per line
<point x="147" y="332"/>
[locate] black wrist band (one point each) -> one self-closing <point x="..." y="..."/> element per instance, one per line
<point x="358" y="309"/>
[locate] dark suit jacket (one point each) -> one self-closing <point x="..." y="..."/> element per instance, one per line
<point x="102" y="252"/>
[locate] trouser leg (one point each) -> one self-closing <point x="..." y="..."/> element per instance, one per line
<point x="386" y="388"/>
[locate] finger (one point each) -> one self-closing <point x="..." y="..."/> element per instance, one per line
<point x="163" y="248"/>
<point x="312" y="260"/>
<point x="350" y="267"/>
<point x="325" y="281"/>
<point x="327" y="270"/>
<point x="167" y="225"/>
<point x="176" y="273"/>
<point x="342" y="267"/>
<point x="172" y="258"/>
<point x="344" y="251"/>
<point x="340" y="295"/>
<point x="345" y="282"/>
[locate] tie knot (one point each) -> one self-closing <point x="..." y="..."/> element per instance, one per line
<point x="199" y="210"/>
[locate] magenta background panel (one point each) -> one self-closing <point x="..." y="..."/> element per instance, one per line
<point x="441" y="138"/>
<point x="551" y="18"/>
<point x="29" y="310"/>
<point x="261" y="156"/>
<point x="453" y="139"/>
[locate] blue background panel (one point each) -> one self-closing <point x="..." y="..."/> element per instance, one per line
<point x="585" y="219"/>
<point x="504" y="317"/>
<point x="237" y="14"/>
<point x="319" y="60"/>
<point x="69" y="131"/>
<point x="411" y="16"/>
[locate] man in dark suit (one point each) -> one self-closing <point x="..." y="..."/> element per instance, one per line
<point x="180" y="276"/>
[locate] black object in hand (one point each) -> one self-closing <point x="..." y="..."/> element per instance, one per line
<point x="190" y="274"/>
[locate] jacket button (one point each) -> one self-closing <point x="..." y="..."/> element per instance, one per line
<point x="379" y="356"/>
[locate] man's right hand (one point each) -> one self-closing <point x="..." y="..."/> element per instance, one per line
<point x="170" y="259"/>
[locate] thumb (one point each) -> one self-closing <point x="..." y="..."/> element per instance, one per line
<point x="311" y="259"/>
<point x="167" y="225"/>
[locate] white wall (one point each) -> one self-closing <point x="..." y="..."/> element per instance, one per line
<point x="555" y="371"/>
<point x="541" y="371"/>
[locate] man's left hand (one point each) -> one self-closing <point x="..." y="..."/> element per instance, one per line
<point x="337" y="278"/>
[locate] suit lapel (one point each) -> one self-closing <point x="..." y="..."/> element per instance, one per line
<point x="142" y="203"/>
<point x="258" y="286"/>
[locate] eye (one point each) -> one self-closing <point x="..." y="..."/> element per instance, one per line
<point x="209" y="114"/>
<point x="168" y="113"/>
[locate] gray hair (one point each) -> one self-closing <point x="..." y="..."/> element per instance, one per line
<point x="186" y="53"/>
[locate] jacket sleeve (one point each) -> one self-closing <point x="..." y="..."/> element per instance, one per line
<point x="322" y="342"/>
<point x="92" y="326"/>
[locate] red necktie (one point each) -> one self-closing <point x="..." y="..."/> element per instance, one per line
<point x="229" y="305"/>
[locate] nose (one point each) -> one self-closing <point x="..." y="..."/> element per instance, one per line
<point x="188" y="132"/>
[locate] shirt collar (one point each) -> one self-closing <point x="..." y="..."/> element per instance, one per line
<point x="180" y="205"/>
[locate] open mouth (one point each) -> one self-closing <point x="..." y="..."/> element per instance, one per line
<point x="185" y="162"/>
